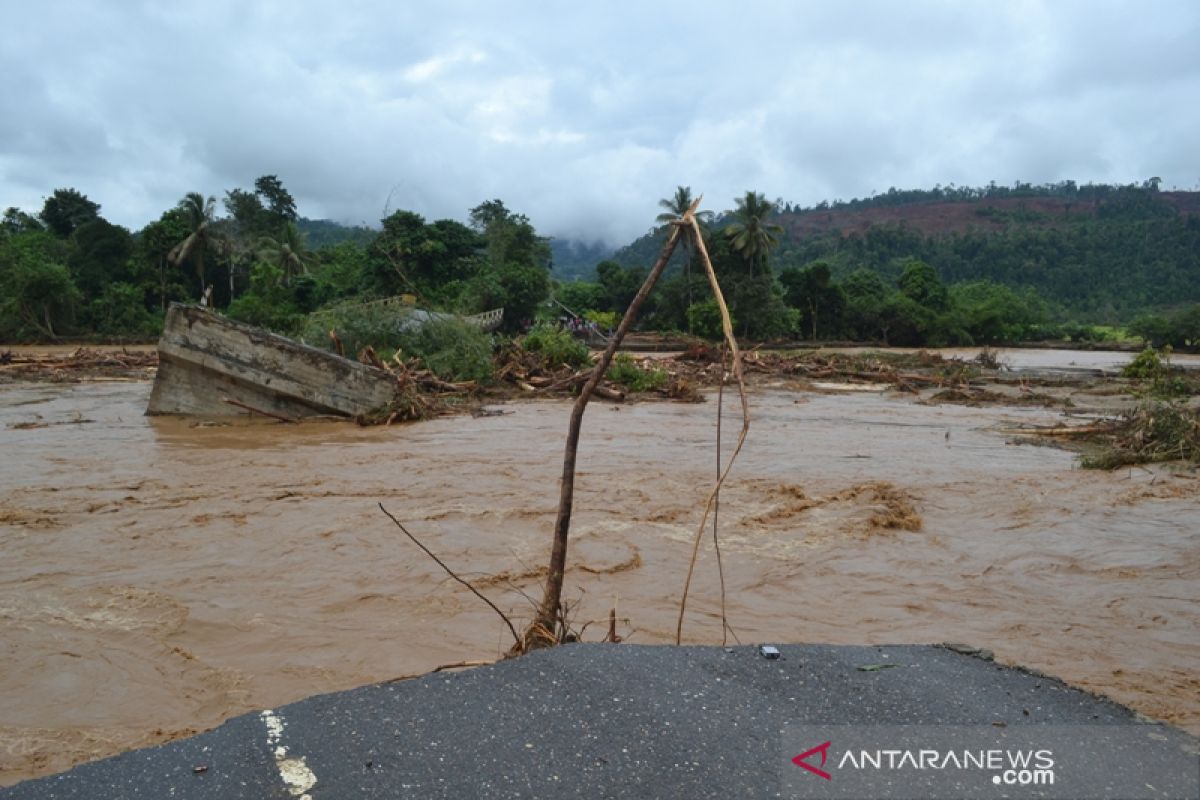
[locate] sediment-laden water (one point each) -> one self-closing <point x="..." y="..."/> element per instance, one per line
<point x="159" y="577"/>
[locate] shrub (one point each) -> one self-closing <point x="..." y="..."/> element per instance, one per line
<point x="705" y="319"/>
<point x="1155" y="375"/>
<point x="625" y="371"/>
<point x="382" y="327"/>
<point x="556" y="346"/>
<point x="455" y="350"/>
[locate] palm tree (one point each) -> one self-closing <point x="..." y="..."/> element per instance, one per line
<point x="675" y="207"/>
<point x="199" y="215"/>
<point x="679" y="203"/>
<point x="288" y="252"/>
<point x="751" y="234"/>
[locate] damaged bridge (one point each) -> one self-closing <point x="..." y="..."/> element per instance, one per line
<point x="212" y="366"/>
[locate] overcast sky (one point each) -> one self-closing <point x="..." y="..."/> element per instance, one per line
<point x="583" y="115"/>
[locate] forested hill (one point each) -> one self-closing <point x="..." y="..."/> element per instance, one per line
<point x="1103" y="252"/>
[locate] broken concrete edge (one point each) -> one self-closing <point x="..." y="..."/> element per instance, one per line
<point x="210" y="365"/>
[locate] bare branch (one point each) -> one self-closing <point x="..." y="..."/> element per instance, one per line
<point x="452" y="574"/>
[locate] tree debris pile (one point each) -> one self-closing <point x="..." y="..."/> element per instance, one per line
<point x="1152" y="432"/>
<point x="79" y="365"/>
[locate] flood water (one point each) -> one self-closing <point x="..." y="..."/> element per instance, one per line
<point x="158" y="578"/>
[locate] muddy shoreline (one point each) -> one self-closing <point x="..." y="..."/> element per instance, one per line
<point x="161" y="577"/>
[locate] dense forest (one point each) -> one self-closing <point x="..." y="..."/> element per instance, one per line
<point x="942" y="266"/>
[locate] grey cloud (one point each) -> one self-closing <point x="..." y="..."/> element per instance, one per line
<point x="582" y="116"/>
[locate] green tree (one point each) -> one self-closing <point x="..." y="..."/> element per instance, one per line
<point x="920" y="283"/>
<point x="250" y="217"/>
<point x="675" y="207"/>
<point x="866" y="295"/>
<point x="98" y="254"/>
<point x="581" y="296"/>
<point x="619" y="285"/>
<point x="813" y="291"/>
<point x="278" y="201"/>
<point x="66" y="210"/>
<point x="991" y="312"/>
<point x="153" y="246"/>
<point x="36" y="290"/>
<point x="198" y="214"/>
<point x="17" y="221"/>
<point x="287" y="253"/>
<point x="751" y="234"/>
<point x="516" y="269"/>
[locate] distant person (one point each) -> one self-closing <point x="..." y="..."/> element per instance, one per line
<point x="206" y="299"/>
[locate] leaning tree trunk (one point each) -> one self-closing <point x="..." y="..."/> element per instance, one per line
<point x="541" y="632"/>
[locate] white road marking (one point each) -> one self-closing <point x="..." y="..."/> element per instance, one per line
<point x="294" y="771"/>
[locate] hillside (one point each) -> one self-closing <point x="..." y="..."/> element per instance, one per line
<point x="1104" y="253"/>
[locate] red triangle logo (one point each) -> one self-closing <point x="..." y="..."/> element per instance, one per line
<point x="800" y="760"/>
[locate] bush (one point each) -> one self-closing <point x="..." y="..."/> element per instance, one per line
<point x="625" y="371"/>
<point x="556" y="346"/>
<point x="358" y="326"/>
<point x="119" y="312"/>
<point x="705" y="319"/>
<point x="455" y="350"/>
<point x="1155" y="375"/>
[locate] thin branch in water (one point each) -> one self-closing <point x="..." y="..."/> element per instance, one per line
<point x="731" y="340"/>
<point x="717" y="499"/>
<point x="454" y="575"/>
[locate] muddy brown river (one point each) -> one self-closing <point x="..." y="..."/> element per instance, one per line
<point x="159" y="577"/>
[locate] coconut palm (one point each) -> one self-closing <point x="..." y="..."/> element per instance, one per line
<point x="676" y="206"/>
<point x="750" y="233"/>
<point x="199" y="215"/>
<point x="287" y="252"/>
<point x="680" y="202"/>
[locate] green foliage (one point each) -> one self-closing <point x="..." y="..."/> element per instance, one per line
<point x="752" y="236"/>
<point x="920" y="283"/>
<point x="357" y="326"/>
<point x="16" y="221"/>
<point x="66" y="210"/>
<point x="99" y="254"/>
<point x="268" y="303"/>
<point x="821" y="302"/>
<point x="619" y="285"/>
<point x="704" y="319"/>
<point x="991" y="313"/>
<point x="278" y="201"/>
<point x="120" y="311"/>
<point x="1180" y="329"/>
<point x="605" y="320"/>
<point x="453" y="349"/>
<point x="581" y="296"/>
<point x="37" y="296"/>
<point x="555" y="345"/>
<point x="197" y="213"/>
<point x="1154" y="375"/>
<point x="287" y="252"/>
<point x="626" y="372"/>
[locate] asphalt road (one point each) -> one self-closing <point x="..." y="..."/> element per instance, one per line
<point x="596" y="720"/>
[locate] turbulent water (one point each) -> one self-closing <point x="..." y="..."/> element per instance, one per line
<point x="158" y="577"/>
